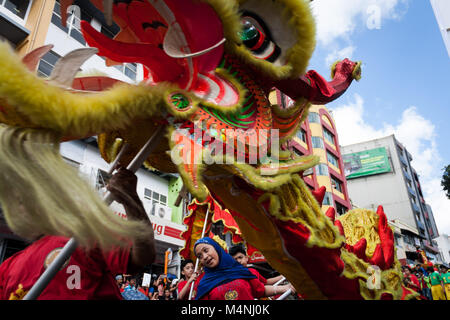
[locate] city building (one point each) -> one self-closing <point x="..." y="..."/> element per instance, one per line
<point x="441" y="10"/>
<point x="443" y="242"/>
<point x="27" y="25"/>
<point x="379" y="172"/>
<point x="318" y="135"/>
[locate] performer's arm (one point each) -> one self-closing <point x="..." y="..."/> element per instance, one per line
<point x="123" y="186"/>
<point x="187" y="287"/>
<point x="271" y="281"/>
<point x="272" y="291"/>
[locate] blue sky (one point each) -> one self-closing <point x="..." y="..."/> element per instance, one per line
<point x="405" y="84"/>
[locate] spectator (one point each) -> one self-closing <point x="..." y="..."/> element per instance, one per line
<point x="131" y="285"/>
<point x="153" y="285"/>
<point x="119" y="282"/>
<point x="437" y="288"/>
<point x="173" y="289"/>
<point x="189" y="276"/>
<point x="19" y="272"/>
<point x="142" y="289"/>
<point x="167" y="294"/>
<point x="160" y="287"/>
<point x="411" y="279"/>
<point x="224" y="278"/>
<point x="239" y="254"/>
<point x="446" y="280"/>
<point x="425" y="285"/>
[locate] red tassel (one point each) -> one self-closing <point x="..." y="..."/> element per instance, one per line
<point x="338" y="224"/>
<point x="319" y="194"/>
<point x="360" y="249"/>
<point x="386" y="238"/>
<point x="378" y="258"/>
<point x="331" y="213"/>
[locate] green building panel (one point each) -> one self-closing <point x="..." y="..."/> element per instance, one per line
<point x="175" y="186"/>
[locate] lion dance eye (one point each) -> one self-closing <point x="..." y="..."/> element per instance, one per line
<point x="259" y="43"/>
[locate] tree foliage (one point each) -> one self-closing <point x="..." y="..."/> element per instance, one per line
<point x="445" y="182"/>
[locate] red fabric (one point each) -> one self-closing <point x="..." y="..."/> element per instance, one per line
<point x="323" y="265"/>
<point x="319" y="194"/>
<point x="239" y="289"/>
<point x="181" y="285"/>
<point x="415" y="281"/>
<point x="96" y="272"/>
<point x="319" y="84"/>
<point x="386" y="238"/>
<point x="258" y="275"/>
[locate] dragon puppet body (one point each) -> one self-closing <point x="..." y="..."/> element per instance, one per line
<point x="209" y="67"/>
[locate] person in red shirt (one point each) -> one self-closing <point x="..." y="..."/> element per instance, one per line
<point x="189" y="276"/>
<point x="223" y="277"/>
<point x="87" y="275"/>
<point x="411" y="279"/>
<point x="239" y="254"/>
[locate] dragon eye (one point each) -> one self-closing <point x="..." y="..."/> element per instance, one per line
<point x="256" y="39"/>
<point x="249" y="31"/>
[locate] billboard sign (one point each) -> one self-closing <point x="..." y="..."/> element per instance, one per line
<point x="366" y="163"/>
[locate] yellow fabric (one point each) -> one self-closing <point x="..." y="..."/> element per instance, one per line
<point x="447" y="290"/>
<point x="438" y="292"/>
<point x="361" y="223"/>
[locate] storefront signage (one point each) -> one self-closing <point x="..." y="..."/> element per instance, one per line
<point x="366" y="163"/>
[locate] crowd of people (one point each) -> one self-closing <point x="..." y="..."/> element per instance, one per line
<point x="430" y="282"/>
<point x="225" y="275"/>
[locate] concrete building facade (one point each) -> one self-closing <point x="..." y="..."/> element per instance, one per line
<point x="394" y="184"/>
<point x="443" y="242"/>
<point x="317" y="135"/>
<point x="30" y="24"/>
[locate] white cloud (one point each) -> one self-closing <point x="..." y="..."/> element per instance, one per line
<point x="341" y="54"/>
<point x="416" y="133"/>
<point x="340" y="18"/>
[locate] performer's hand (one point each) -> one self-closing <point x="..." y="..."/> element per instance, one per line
<point x="193" y="277"/>
<point x="123" y="186"/>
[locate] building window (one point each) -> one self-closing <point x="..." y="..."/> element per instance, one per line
<point x="103" y="178"/>
<point x="327" y="199"/>
<point x="317" y="142"/>
<point x="336" y="184"/>
<point x="128" y="69"/>
<point x="332" y="159"/>
<point x="313" y="117"/>
<point x="340" y="209"/>
<point x="155" y="198"/>
<point x="18" y="7"/>
<point x="110" y="31"/>
<point x="328" y="136"/>
<point x="322" y="170"/>
<point x="400" y="150"/>
<point x="397" y="240"/>
<point x="47" y="63"/>
<point x="297" y="152"/>
<point x="73" y="23"/>
<point x="301" y="134"/>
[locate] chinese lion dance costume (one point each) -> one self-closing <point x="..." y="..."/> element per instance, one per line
<point x="208" y="65"/>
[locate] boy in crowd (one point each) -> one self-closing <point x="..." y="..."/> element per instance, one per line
<point x="239" y="253"/>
